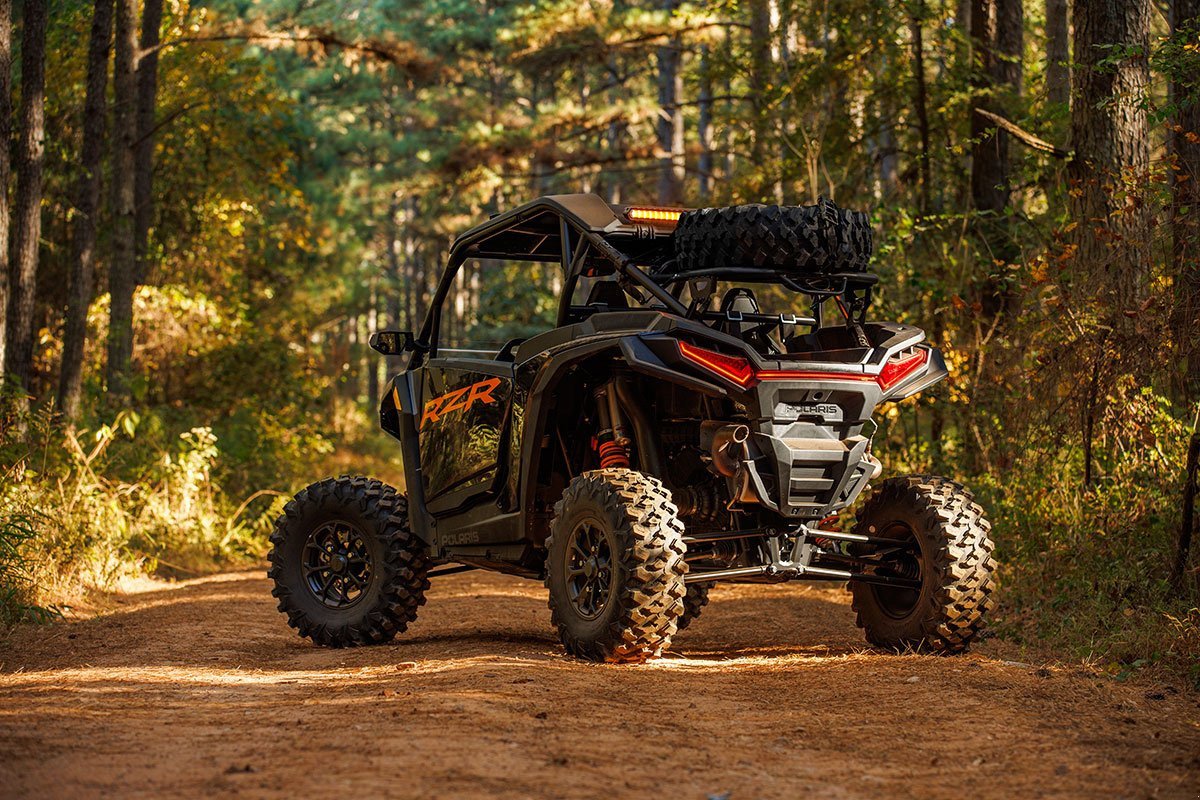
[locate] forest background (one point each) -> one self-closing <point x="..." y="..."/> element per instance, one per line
<point x="205" y="208"/>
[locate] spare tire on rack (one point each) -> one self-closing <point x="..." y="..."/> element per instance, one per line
<point x="800" y="239"/>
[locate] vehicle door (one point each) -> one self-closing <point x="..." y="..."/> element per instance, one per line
<point x="466" y="400"/>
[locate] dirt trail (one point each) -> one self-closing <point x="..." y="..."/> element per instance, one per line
<point x="200" y="689"/>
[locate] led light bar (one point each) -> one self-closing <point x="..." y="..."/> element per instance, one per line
<point x="670" y="215"/>
<point x="741" y="372"/>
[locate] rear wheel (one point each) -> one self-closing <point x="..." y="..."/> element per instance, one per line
<point x="948" y="550"/>
<point x="615" y="567"/>
<point x="347" y="569"/>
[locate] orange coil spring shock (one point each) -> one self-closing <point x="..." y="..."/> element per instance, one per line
<point x="612" y="454"/>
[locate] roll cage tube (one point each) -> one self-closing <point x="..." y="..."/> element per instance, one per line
<point x="572" y="264"/>
<point x="626" y="267"/>
<point x="589" y="218"/>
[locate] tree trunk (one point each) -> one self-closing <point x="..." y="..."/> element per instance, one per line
<point x="730" y="165"/>
<point x="1058" y="52"/>
<point x="996" y="33"/>
<point x="1110" y="136"/>
<point x="671" y="172"/>
<point x="704" y="164"/>
<point x="122" y="272"/>
<point x="760" y="68"/>
<point x="916" y="23"/>
<point x="1185" y="218"/>
<point x="5" y="166"/>
<point x="998" y="42"/>
<point x="1010" y="45"/>
<point x="87" y="203"/>
<point x="370" y="357"/>
<point x="614" y="135"/>
<point x="1188" y="523"/>
<point x="989" y="153"/>
<point x="143" y="152"/>
<point x="28" y="205"/>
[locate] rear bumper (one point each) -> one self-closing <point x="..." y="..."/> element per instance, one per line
<point x="805" y="478"/>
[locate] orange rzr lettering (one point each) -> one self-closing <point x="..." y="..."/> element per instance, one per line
<point x="460" y="400"/>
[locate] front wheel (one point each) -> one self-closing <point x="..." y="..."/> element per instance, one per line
<point x="948" y="549"/>
<point x="347" y="569"/>
<point x="615" y="567"/>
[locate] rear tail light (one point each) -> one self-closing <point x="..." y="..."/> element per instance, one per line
<point x="731" y="368"/>
<point x="741" y="372"/>
<point x="899" y="370"/>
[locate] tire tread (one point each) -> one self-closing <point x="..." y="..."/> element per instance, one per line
<point x="805" y="239"/>
<point x="405" y="563"/>
<point x="963" y="595"/>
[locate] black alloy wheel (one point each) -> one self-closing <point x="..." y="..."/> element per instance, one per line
<point x="337" y="564"/>
<point x="589" y="568"/>
<point x="897" y="602"/>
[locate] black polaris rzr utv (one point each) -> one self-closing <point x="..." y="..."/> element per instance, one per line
<point x="666" y="434"/>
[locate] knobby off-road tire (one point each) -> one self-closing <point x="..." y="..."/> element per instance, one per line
<point x="693" y="603"/>
<point x="619" y="527"/>
<point x="347" y="569"/>
<point x="955" y="566"/>
<point x="800" y="239"/>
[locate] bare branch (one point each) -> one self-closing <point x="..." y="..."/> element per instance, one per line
<point x="1023" y="135"/>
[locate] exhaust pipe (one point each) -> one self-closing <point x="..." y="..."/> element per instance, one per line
<point x="727" y="444"/>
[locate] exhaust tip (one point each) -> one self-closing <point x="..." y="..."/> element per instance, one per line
<point x="729" y="449"/>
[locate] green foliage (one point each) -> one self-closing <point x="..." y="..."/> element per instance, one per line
<point x="517" y="299"/>
<point x="1177" y="58"/>
<point x="1084" y="569"/>
<point x="69" y="519"/>
<point x="16" y="585"/>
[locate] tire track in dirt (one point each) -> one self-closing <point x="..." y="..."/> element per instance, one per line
<point x="199" y="689"/>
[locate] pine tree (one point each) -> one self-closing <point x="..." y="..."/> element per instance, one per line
<point x="87" y="207"/>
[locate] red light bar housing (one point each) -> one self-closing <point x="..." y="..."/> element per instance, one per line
<point x="742" y="373"/>
<point x="896" y="372"/>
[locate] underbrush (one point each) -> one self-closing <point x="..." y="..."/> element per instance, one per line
<point x="1085" y="571"/>
<point x="82" y="508"/>
<point x="186" y="484"/>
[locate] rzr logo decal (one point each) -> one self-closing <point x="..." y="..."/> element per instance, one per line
<point x="460" y="400"/>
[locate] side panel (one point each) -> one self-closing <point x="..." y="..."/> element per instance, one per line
<point x="464" y="406"/>
<point x="398" y="417"/>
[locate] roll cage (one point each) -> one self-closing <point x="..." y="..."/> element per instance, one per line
<point x="590" y="237"/>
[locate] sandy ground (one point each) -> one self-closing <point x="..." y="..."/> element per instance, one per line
<point x="200" y="689"/>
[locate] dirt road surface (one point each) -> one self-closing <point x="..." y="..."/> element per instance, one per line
<point x="199" y="689"/>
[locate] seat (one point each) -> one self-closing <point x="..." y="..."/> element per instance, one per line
<point x="740" y="300"/>
<point x="608" y="294"/>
